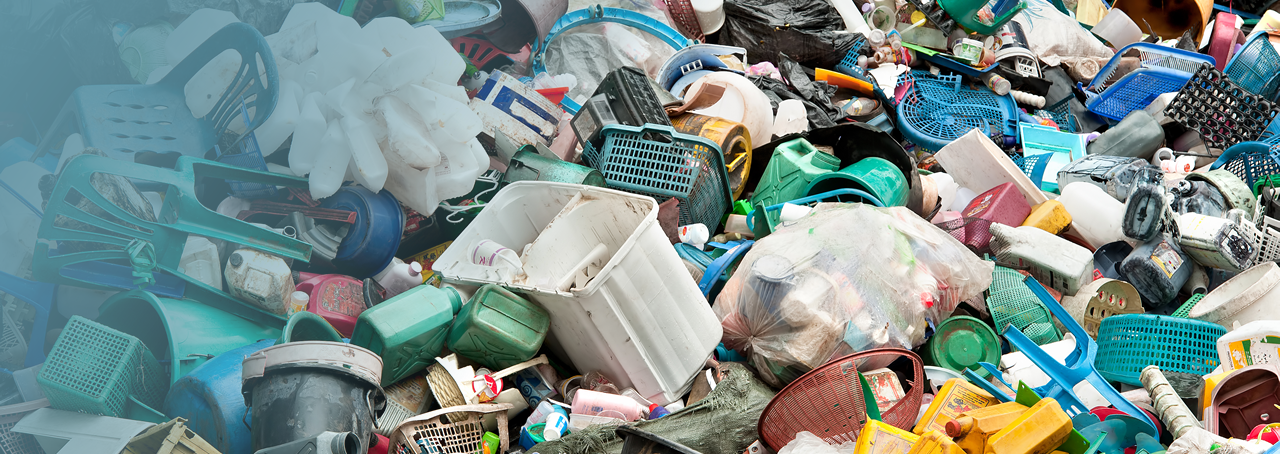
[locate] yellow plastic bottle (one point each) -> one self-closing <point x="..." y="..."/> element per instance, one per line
<point x="972" y="429"/>
<point x="935" y="442"/>
<point x="1040" y="430"/>
<point x="1050" y="216"/>
<point x="956" y="396"/>
<point x="881" y="438"/>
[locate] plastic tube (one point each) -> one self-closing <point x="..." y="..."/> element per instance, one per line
<point x="1177" y="418"/>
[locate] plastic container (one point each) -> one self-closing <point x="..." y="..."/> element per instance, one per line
<point x="1145" y="209"/>
<point x="1257" y="342"/>
<point x="792" y="168"/>
<point x="1002" y="204"/>
<point x="1095" y="215"/>
<point x="1216" y="242"/>
<point x="373" y="239"/>
<point x="1060" y="264"/>
<point x="1243" y="400"/>
<point x="976" y="163"/>
<point x="498" y="328"/>
<point x="937" y="110"/>
<point x="960" y="343"/>
<point x="1256" y="67"/>
<point x="625" y="97"/>
<point x="200" y="261"/>
<point x="337" y="298"/>
<point x="1129" y="342"/>
<point x="1113" y="174"/>
<point x="1100" y="299"/>
<point x="633" y="320"/>
<point x="1243" y="298"/>
<point x="1041" y="428"/>
<point x="450" y="430"/>
<point x="1050" y="216"/>
<point x="972" y="430"/>
<point x="209" y="399"/>
<point x="1157" y="269"/>
<point x="407" y="331"/>
<point x="1063" y="147"/>
<point x="325" y="443"/>
<point x="399" y="277"/>
<point x="260" y="279"/>
<point x="879" y="438"/>
<point x="956" y="397"/>
<point x="876" y="176"/>
<point x="98" y="370"/>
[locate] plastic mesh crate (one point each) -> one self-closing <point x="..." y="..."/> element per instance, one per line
<point x="849" y="64"/>
<point x="1061" y="113"/>
<point x="688" y="168"/>
<point x="1222" y="112"/>
<point x="1136" y="91"/>
<point x="1268" y="240"/>
<point x="94" y="369"/>
<point x="1149" y="56"/>
<point x="938" y="109"/>
<point x="1034" y="166"/>
<point x="1256" y="67"/>
<point x="1011" y="302"/>
<point x="1129" y="342"/>
<point x="455" y="430"/>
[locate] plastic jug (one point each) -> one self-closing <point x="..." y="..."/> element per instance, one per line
<point x="1041" y="428"/>
<point x="1054" y="262"/>
<point x="972" y="429"/>
<point x="1002" y="204"/>
<point x="1138" y="135"/>
<point x="325" y="443"/>
<point x="793" y="166"/>
<point x="1257" y="342"/>
<point x="407" y="331"/>
<point x="399" y="276"/>
<point x="881" y="438"/>
<point x="498" y="328"/>
<point x="200" y="261"/>
<point x="935" y="442"/>
<point x="1050" y="216"/>
<point x="1217" y="242"/>
<point x="339" y="299"/>
<point x="1145" y="206"/>
<point x="261" y="279"/>
<point x="1198" y="197"/>
<point x="1094" y="214"/>
<point x="1113" y="174"/>
<point x="1157" y="269"/>
<point x="956" y="397"/>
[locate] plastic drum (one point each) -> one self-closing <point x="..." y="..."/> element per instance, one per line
<point x="372" y="241"/>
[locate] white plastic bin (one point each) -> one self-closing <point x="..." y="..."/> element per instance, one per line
<point x="641" y="319"/>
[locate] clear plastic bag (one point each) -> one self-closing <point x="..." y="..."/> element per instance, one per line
<point x="807" y="443"/>
<point x="845" y="278"/>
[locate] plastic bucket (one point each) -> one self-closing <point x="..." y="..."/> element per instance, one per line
<point x="874" y="175"/>
<point x="1243" y="298"/>
<point x="182" y="332"/>
<point x="209" y="399"/>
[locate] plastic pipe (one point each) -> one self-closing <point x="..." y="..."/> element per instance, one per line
<point x="1175" y="415"/>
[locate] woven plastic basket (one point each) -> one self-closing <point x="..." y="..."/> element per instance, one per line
<point x="1011" y="302"/>
<point x="1129" y="342"/>
<point x="1256" y="67"/>
<point x="459" y="433"/>
<point x="828" y="401"/>
<point x="938" y="109"/>
<point x="94" y="369"/>
<point x="656" y="161"/>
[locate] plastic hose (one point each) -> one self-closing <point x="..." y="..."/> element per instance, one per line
<point x="1177" y="418"/>
<point x="1029" y="99"/>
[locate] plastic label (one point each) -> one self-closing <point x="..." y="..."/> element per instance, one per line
<point x="1245" y="353"/>
<point x="1166" y="259"/>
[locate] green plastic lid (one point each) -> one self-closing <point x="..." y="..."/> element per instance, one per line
<point x="961" y="342"/>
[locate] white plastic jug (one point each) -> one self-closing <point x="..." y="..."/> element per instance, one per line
<point x="200" y="261"/>
<point x="1096" y="215"/>
<point x="260" y="279"/>
<point x="398" y="277"/>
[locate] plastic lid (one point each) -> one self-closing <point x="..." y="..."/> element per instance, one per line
<point x="961" y="342"/>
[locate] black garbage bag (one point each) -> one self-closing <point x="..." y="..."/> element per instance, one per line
<point x="816" y="96"/>
<point x="804" y="29"/>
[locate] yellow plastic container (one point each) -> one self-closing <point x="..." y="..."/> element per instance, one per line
<point x="972" y="429"/>
<point x="956" y="396"/>
<point x="1211" y="383"/>
<point x="881" y="438"/>
<point x="1050" y="216"/>
<point x="1040" y="430"/>
<point x="935" y="442"/>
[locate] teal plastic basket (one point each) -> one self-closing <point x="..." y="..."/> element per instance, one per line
<point x="1011" y="302"/>
<point x="1256" y="67"/>
<point x="95" y="369"/>
<point x="1129" y="342"/>
<point x="657" y="161"/>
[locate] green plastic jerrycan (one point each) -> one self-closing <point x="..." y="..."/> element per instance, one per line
<point x="408" y="330"/>
<point x="498" y="328"/>
<point x="792" y="167"/>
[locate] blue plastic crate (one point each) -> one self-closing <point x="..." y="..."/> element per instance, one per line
<point x="849" y="64"/>
<point x="1249" y="161"/>
<point x="938" y="109"/>
<point x="1150" y="56"/>
<point x="1058" y="148"/>
<point x="1136" y="91"/>
<point x="1256" y="67"/>
<point x="1061" y="113"/>
<point x="1129" y="342"/>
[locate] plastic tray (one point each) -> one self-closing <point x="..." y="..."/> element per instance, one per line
<point x="1256" y="67"/>
<point x="1129" y="342"/>
<point x="938" y="109"/>
<point x="1150" y="56"/>
<point x="1135" y="91"/>
<point x="1222" y="112"/>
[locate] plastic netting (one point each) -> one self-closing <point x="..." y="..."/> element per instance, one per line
<point x="1129" y="342"/>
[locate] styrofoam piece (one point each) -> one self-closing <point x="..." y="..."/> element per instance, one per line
<point x="640" y="320"/>
<point x="1018" y="367"/>
<point x="65" y="432"/>
<point x="1247" y="297"/>
<point x="975" y="162"/>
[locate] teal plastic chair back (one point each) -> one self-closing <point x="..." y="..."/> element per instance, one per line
<point x="156" y="247"/>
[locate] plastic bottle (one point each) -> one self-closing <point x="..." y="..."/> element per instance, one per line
<point x="1257" y="342"/>
<point x="1055" y="262"/>
<point x="996" y="83"/>
<point x="399" y="276"/>
<point x="1146" y="205"/>
<point x="947" y="188"/>
<point x="540" y="413"/>
<point x="1096" y="215"/>
<point x="200" y="261"/>
<point x="588" y="402"/>
<point x="657" y="411"/>
<point x="260" y="279"/>
<point x="1157" y="270"/>
<point x="503" y="263"/>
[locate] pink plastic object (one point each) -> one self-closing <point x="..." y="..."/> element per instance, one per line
<point x="1223" y="42"/>
<point x="588" y="402"/>
<point x="1003" y="204"/>
<point x="337" y="298"/>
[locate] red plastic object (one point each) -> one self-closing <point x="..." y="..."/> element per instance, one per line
<point x="828" y="401"/>
<point x="685" y="19"/>
<point x="1002" y="204"/>
<point x="383" y="445"/>
<point x="554" y="95"/>
<point x="478" y="51"/>
<point x="337" y="298"/>
<point x="1223" y="42"/>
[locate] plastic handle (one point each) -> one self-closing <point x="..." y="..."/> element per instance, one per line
<point x="718" y="266"/>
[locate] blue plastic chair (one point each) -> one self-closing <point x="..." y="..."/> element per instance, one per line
<point x="126" y="120"/>
<point x="40" y="296"/>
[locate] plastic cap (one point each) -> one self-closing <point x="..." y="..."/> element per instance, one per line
<point x="455" y="300"/>
<point x="415" y="269"/>
<point x="236" y="259"/>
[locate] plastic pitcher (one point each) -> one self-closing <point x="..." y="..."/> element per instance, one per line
<point x="407" y="331"/>
<point x="793" y="167"/>
<point x="498" y="328"/>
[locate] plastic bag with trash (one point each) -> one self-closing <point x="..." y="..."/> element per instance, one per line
<point x="808" y="443"/>
<point x="845" y="278"/>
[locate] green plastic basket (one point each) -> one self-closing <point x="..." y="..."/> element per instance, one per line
<point x="1129" y="342"/>
<point x="95" y="369"/>
<point x="657" y="161"/>
<point x="1011" y="302"/>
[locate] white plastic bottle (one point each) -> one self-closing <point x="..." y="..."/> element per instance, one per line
<point x="398" y="277"/>
<point x="1254" y="343"/>
<point x="1054" y="262"/>
<point x="1096" y="215"/>
<point x="200" y="261"/>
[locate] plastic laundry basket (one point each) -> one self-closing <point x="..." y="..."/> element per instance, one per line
<point x="95" y="369"/>
<point x="829" y="403"/>
<point x="689" y="168"/>
<point x="1136" y="91"/>
<point x="1129" y="342"/>
<point x="939" y="109"/>
<point x="640" y="320"/>
<point x="455" y="430"/>
<point x="1256" y="67"/>
<point x="18" y="443"/>
<point x="1011" y="302"/>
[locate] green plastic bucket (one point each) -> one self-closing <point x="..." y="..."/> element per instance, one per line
<point x="876" y="176"/>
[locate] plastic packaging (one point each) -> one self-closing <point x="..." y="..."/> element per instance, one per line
<point x="1055" y="262"/>
<point x="588" y="402"/>
<point x="795" y="302"/>
<point x="1254" y="343"/>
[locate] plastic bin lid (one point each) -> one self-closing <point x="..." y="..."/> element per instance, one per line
<point x="962" y="342"/>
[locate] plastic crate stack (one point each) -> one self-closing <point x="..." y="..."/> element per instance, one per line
<point x="938" y="109"/>
<point x="1256" y="67"/>
<point x="1163" y="70"/>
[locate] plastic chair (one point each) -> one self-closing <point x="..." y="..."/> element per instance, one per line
<point x="125" y="121"/>
<point x="40" y="296"/>
<point x="1078" y="367"/>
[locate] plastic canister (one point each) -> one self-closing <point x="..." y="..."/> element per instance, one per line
<point x="1198" y="197"/>
<point x="337" y="298"/>
<point x="1041" y="428"/>
<point x="935" y="442"/>
<point x="1138" y="135"/>
<point x="1049" y="216"/>
<point x="588" y="402"/>
<point x="1257" y="342"/>
<point x="260" y="279"/>
<point x="1157" y="269"/>
<point x="956" y="397"/>
<point x="498" y="328"/>
<point x="1145" y="207"/>
<point x="1216" y="242"/>
<point x="972" y="428"/>
<point x="881" y="438"/>
<point x="1243" y="298"/>
<point x="792" y="168"/>
<point x="409" y="330"/>
<point x="1094" y="214"/>
<point x="1055" y="262"/>
<point x="399" y="276"/>
<point x="1100" y="171"/>
<point x="325" y="443"/>
<point x="960" y="343"/>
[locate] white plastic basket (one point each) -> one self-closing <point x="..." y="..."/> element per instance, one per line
<point x="1268" y="240"/>
<point x="641" y="319"/>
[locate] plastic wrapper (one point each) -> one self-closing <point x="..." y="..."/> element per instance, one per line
<point x="845" y="278"/>
<point x="590" y="52"/>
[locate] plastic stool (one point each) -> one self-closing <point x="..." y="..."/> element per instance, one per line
<point x="40" y="296"/>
